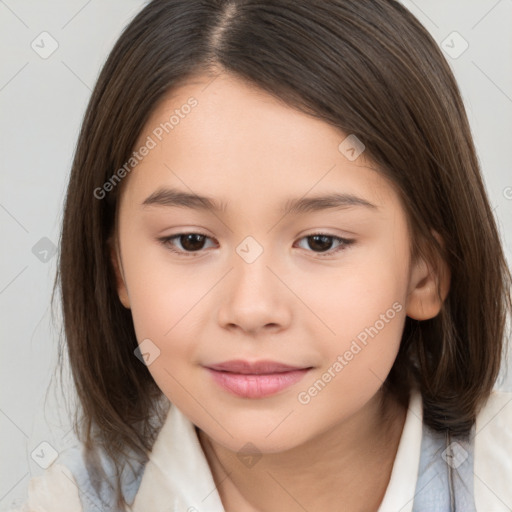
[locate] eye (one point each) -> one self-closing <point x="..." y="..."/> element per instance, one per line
<point x="190" y="243"/>
<point x="322" y="242"/>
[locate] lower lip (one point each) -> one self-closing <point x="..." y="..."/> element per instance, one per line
<point x="256" y="386"/>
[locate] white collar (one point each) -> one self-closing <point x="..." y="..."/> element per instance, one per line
<point x="400" y="492"/>
<point x="178" y="474"/>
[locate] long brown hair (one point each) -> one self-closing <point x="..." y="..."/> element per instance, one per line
<point x="365" y="66"/>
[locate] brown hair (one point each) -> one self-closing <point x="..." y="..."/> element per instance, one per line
<point x="365" y="66"/>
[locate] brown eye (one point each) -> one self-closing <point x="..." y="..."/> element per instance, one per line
<point x="322" y="243"/>
<point x="192" y="241"/>
<point x="184" y="243"/>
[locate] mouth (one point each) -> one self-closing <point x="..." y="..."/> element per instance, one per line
<point x="255" y="379"/>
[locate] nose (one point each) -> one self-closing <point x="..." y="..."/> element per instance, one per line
<point x="254" y="297"/>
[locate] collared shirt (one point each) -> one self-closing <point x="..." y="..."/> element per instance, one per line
<point x="177" y="454"/>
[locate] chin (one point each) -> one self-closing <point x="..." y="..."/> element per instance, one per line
<point x="256" y="442"/>
<point x="256" y="433"/>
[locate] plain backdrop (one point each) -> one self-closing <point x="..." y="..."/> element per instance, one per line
<point x="42" y="100"/>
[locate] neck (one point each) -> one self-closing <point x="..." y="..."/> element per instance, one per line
<point x="350" y="463"/>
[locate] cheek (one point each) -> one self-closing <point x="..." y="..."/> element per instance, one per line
<point x="363" y="304"/>
<point x="164" y="296"/>
<point x="167" y="308"/>
<point x="368" y="290"/>
<point x="355" y="367"/>
<point x="167" y="304"/>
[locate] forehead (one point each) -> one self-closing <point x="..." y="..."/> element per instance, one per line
<point x="224" y="138"/>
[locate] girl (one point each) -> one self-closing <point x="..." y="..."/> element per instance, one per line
<point x="282" y="282"/>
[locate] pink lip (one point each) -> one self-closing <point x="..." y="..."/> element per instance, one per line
<point x="255" y="380"/>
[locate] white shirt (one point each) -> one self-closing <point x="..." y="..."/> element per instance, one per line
<point x="177" y="454"/>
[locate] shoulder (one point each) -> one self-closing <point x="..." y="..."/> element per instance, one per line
<point x="69" y="485"/>
<point x="54" y="490"/>
<point x="493" y="453"/>
<point x="497" y="411"/>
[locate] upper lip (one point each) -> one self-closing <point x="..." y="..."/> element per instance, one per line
<point x="254" y="368"/>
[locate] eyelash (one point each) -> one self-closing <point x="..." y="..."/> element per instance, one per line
<point x="165" y="241"/>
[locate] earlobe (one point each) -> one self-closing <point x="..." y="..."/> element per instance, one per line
<point x="428" y="288"/>
<point x="122" y="290"/>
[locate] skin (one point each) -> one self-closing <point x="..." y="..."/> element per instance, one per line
<point x="294" y="304"/>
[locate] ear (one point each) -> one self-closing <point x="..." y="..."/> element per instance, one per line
<point x="428" y="286"/>
<point x="115" y="258"/>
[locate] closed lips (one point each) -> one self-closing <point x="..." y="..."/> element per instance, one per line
<point x="255" y="380"/>
<point x="255" y="368"/>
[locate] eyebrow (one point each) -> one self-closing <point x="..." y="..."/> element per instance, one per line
<point x="171" y="197"/>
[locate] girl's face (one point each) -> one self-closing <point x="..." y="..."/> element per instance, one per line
<point x="254" y="284"/>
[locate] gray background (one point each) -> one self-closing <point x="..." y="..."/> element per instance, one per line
<point x="42" y="101"/>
